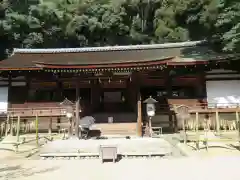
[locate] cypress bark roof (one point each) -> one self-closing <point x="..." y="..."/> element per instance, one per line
<point x="100" y="57"/>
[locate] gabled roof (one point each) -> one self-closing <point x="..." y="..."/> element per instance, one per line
<point x="103" y="57"/>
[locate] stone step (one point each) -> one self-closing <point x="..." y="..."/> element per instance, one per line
<point x="116" y="128"/>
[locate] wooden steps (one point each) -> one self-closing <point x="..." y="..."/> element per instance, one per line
<point x="117" y="128"/>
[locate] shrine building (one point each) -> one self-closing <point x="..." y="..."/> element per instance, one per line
<point x="108" y="83"/>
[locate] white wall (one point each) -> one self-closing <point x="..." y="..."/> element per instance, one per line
<point x="223" y="93"/>
<point x="3" y="99"/>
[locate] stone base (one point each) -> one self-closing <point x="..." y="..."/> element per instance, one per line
<point x="137" y="146"/>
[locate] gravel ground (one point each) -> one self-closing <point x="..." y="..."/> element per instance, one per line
<point x="180" y="168"/>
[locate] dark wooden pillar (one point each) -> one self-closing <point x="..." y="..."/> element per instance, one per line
<point x="27" y="78"/>
<point x="201" y="87"/>
<point x="59" y="90"/>
<point x="95" y="95"/>
<point x="77" y="111"/>
<point x="168" y="84"/>
<point x="134" y="87"/>
<point x="9" y="89"/>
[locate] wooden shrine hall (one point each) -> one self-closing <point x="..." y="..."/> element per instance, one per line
<point x="108" y="82"/>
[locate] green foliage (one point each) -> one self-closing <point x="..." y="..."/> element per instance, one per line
<point x="227" y="31"/>
<point x="76" y="23"/>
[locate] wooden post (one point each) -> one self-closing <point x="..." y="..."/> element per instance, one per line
<point x="150" y="127"/>
<point x="139" y="118"/>
<point x="2" y="129"/>
<point x="238" y="126"/>
<point x="25" y="125"/>
<point x="217" y="122"/>
<point x="197" y="132"/>
<point x="77" y="132"/>
<point x="36" y="125"/>
<point x="184" y="131"/>
<point x="50" y="127"/>
<point x="17" y="133"/>
<point x="7" y="123"/>
<point x="70" y="128"/>
<point x="11" y="126"/>
<point x="18" y="128"/>
<point x="206" y="129"/>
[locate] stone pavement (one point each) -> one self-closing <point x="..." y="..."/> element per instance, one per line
<point x="141" y="169"/>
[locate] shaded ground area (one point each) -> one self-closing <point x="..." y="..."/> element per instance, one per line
<point x="222" y="144"/>
<point x="27" y="147"/>
<point x="24" y="169"/>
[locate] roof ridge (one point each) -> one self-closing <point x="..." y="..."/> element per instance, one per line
<point x="110" y="48"/>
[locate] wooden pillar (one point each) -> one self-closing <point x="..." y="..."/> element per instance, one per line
<point x="168" y="85"/>
<point x="139" y="118"/>
<point x="9" y="89"/>
<point x="59" y="90"/>
<point x="200" y="85"/>
<point x="95" y="95"/>
<point x="77" y="132"/>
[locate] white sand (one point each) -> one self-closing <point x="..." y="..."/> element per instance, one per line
<point x="140" y="169"/>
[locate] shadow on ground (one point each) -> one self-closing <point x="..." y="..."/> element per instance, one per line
<point x="231" y="147"/>
<point x="235" y="147"/>
<point x="14" y="172"/>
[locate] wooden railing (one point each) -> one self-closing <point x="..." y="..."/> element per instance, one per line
<point x="217" y="118"/>
<point x="54" y="109"/>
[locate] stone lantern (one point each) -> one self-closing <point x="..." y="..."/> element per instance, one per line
<point x="69" y="112"/>
<point x="150" y="109"/>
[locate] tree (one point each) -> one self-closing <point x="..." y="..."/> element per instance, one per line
<point x="74" y="23"/>
<point x="227" y="31"/>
